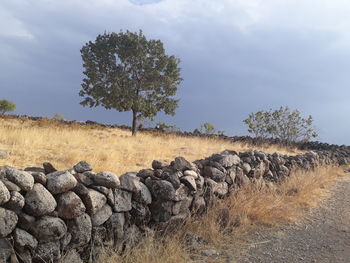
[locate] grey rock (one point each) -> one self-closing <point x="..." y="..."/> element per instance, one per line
<point x="25" y="221"/>
<point x="39" y="201"/>
<point x="241" y="179"/>
<point x="35" y="169"/>
<point x="198" y="204"/>
<point x="65" y="240"/>
<point x="69" y="205"/>
<point x="5" y="249"/>
<point x="246" y="168"/>
<point x="173" y="178"/>
<point x="24" y="240"/>
<point x="71" y="256"/>
<point x="8" y="221"/>
<point x="213" y="173"/>
<point x="60" y="182"/>
<point x="16" y="202"/>
<point x="161" y="189"/>
<point x="48" y="168"/>
<point x="181" y="164"/>
<point x="101" y="215"/>
<point x="122" y="201"/>
<point x="181" y="193"/>
<point x="191" y="173"/>
<point x="228" y="160"/>
<point x="131" y="182"/>
<point x="231" y="176"/>
<point x="158" y="164"/>
<point x="144" y="173"/>
<point x="209" y="252"/>
<point x="161" y="210"/>
<point x="10" y="186"/>
<point x="115" y="225"/>
<point x="47" y="252"/>
<point x="39" y="177"/>
<point x="85" y="178"/>
<point x="140" y="214"/>
<point x="21" y="178"/>
<point x="102" y="189"/>
<point x="106" y="179"/>
<point x="183" y="206"/>
<point x="93" y="201"/>
<point x="4" y="193"/>
<point x="48" y="229"/>
<point x="190" y="182"/>
<point x="80" y="228"/>
<point x="82" y="167"/>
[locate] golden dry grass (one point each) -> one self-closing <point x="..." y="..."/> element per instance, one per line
<point x="30" y="143"/>
<point x="246" y="209"/>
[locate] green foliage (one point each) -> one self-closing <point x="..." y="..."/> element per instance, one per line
<point x="284" y="123"/>
<point x="167" y="127"/>
<point x="127" y="72"/>
<point x="207" y="128"/>
<point x="58" y="116"/>
<point x="6" y="106"/>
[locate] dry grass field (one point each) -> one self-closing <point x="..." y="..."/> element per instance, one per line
<point x="30" y="143"/>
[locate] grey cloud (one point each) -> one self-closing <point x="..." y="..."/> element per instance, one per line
<point x="227" y="72"/>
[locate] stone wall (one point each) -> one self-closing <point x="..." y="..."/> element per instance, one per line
<point x="44" y="213"/>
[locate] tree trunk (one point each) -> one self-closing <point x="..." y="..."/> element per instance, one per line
<point x="134" y="123"/>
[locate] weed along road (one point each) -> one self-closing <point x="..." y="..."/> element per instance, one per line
<point x="323" y="237"/>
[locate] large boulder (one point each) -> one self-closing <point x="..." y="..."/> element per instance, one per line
<point x="16" y="202"/>
<point x="106" y="179"/>
<point x="70" y="205"/>
<point x="4" y="193"/>
<point x="214" y="173"/>
<point x="21" y="178"/>
<point x="122" y="200"/>
<point x="101" y="215"/>
<point x="161" y="189"/>
<point x="181" y="164"/>
<point x="49" y="229"/>
<point x="11" y="186"/>
<point x="82" y="167"/>
<point x="80" y="228"/>
<point x="60" y="182"/>
<point x="93" y="201"/>
<point x="131" y="182"/>
<point x="39" y="201"/>
<point x="115" y="225"/>
<point x="24" y="240"/>
<point x="8" y="221"/>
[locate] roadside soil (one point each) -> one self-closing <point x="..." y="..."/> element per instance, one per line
<point x="323" y="236"/>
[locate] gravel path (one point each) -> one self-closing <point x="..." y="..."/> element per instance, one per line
<point x="324" y="237"/>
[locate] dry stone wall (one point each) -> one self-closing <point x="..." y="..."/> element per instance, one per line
<point x="44" y="213"/>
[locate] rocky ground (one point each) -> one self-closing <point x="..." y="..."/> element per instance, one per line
<point x="324" y="237"/>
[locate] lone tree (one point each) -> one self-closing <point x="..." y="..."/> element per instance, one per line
<point x="6" y="106"/>
<point x="126" y="72"/>
<point x="284" y="124"/>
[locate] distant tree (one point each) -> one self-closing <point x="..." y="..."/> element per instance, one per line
<point x="58" y="116"/>
<point x="126" y="72"/>
<point x="6" y="106"/>
<point x="167" y="127"/>
<point x="284" y="124"/>
<point x="207" y="128"/>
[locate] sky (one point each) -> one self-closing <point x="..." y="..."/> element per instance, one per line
<point x="237" y="57"/>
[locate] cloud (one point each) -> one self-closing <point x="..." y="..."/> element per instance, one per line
<point x="238" y="56"/>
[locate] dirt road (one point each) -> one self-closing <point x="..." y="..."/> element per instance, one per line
<point x="324" y="237"/>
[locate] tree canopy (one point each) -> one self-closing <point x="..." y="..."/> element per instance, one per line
<point x="6" y="106"/>
<point x="126" y="72"/>
<point x="284" y="124"/>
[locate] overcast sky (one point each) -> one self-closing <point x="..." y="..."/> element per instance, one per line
<point x="237" y="57"/>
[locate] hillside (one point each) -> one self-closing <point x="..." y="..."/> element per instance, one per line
<point x="30" y="143"/>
